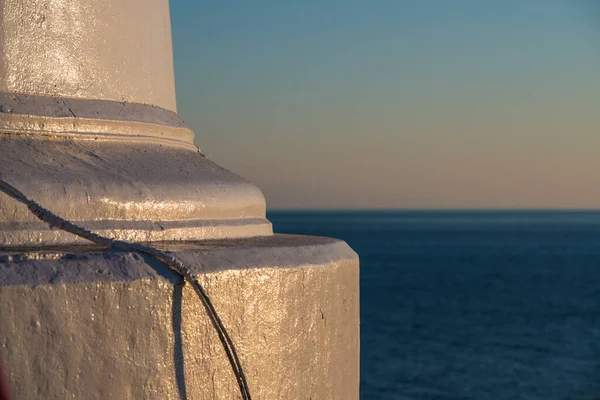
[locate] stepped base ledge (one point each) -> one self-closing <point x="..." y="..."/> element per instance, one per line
<point x="80" y="322"/>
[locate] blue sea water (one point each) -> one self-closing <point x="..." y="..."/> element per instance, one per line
<point x="472" y="305"/>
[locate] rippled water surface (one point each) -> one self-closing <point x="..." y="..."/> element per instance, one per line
<point x="472" y="305"/>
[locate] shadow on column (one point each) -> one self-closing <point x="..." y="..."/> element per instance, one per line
<point x="176" y="315"/>
<point x="178" y="360"/>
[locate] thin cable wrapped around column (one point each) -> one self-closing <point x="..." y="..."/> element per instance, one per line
<point x="172" y="261"/>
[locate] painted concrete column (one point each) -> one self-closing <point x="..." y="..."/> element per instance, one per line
<point x="107" y="50"/>
<point x="89" y="129"/>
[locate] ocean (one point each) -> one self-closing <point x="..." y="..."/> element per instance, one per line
<point x="472" y="304"/>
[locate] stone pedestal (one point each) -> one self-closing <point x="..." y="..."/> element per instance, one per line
<point x="89" y="324"/>
<point x="88" y="129"/>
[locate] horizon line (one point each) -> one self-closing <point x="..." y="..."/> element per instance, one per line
<point x="474" y="209"/>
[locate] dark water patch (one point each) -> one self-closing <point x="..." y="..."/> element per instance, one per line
<point x="472" y="304"/>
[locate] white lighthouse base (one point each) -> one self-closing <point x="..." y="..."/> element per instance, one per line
<point x="83" y="323"/>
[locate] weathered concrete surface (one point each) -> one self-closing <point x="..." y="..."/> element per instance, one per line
<point x="68" y="107"/>
<point x="96" y="325"/>
<point x="91" y="119"/>
<point x="111" y="49"/>
<point x="138" y="192"/>
<point x="88" y="130"/>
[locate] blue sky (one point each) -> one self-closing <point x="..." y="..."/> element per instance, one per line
<point x="397" y="104"/>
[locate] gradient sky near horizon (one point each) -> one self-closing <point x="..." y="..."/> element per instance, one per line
<point x="397" y="104"/>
